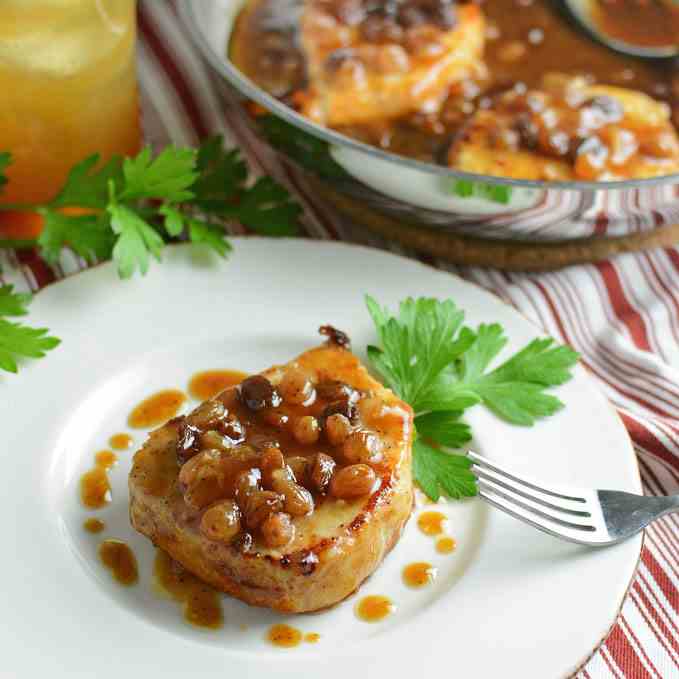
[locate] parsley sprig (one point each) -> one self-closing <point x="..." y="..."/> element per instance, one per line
<point x="5" y="160"/>
<point x="127" y="209"/>
<point x="16" y="339"/>
<point x="442" y="368"/>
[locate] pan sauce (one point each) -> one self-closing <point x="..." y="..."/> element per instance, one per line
<point x="525" y="42"/>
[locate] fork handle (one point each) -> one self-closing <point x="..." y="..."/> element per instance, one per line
<point x="661" y="504"/>
<point x="656" y="506"/>
<point x="671" y="504"/>
<point x="628" y="513"/>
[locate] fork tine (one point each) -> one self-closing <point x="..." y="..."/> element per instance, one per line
<point x="507" y="483"/>
<point x="577" y="535"/>
<point x="559" y="517"/>
<point x="484" y="464"/>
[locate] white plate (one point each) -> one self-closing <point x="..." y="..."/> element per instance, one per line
<point x="510" y="601"/>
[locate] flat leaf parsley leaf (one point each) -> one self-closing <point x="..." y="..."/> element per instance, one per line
<point x="515" y="390"/>
<point x="89" y="236"/>
<point x="442" y="368"/>
<point x="444" y="427"/>
<point x="127" y="208"/>
<point x="210" y="235"/>
<point x="418" y="344"/>
<point x="18" y="340"/>
<point x="169" y="176"/>
<point x="87" y="184"/>
<point x="266" y="206"/>
<point x="137" y="240"/>
<point x="13" y="303"/>
<point x="5" y="160"/>
<point x="222" y="176"/>
<point x="435" y="470"/>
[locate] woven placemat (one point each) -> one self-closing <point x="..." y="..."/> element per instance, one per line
<point x="498" y="254"/>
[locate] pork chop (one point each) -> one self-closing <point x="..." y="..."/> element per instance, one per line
<point x="569" y="129"/>
<point x="370" y="62"/>
<point x="286" y="491"/>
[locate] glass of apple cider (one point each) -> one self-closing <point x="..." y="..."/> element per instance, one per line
<point x="68" y="89"/>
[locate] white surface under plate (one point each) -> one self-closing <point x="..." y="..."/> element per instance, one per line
<point x="510" y="601"/>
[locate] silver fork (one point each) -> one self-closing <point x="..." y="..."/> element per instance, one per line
<point x="588" y="517"/>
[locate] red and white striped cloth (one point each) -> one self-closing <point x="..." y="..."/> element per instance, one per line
<point x="628" y="332"/>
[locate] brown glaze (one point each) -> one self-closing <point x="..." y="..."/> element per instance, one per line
<point x="432" y="523"/>
<point x="105" y="459"/>
<point x="335" y="336"/>
<point x="95" y="489"/>
<point x="190" y="496"/>
<point x="640" y="22"/>
<point x="524" y="41"/>
<point x="374" y="608"/>
<point x="94" y="525"/>
<point x="419" y="574"/>
<point x="563" y="48"/>
<point x="121" y="441"/>
<point x="120" y="560"/>
<point x="228" y="436"/>
<point x="205" y="385"/>
<point x="202" y="604"/>
<point x="446" y="545"/>
<point x="284" y="636"/>
<point x="312" y="637"/>
<point x="157" y="409"/>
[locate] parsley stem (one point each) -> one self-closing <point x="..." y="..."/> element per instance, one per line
<point x="19" y="207"/>
<point x="18" y="244"/>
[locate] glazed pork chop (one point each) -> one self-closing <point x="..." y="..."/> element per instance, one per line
<point x="371" y="61"/>
<point x="287" y="490"/>
<point x="569" y="129"/>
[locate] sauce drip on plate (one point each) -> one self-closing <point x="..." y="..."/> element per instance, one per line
<point x="94" y="525"/>
<point x="120" y="560"/>
<point x="284" y="636"/>
<point x="419" y="574"/>
<point x="445" y="545"/>
<point x="432" y="523"/>
<point x="374" y="608"/>
<point x="312" y="637"/>
<point x="157" y="409"/>
<point x="105" y="459"/>
<point x="120" y="441"/>
<point x="202" y="604"/>
<point x="95" y="489"/>
<point x="204" y="385"/>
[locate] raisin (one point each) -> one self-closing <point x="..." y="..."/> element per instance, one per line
<point x="258" y="393"/>
<point x="339" y="57"/>
<point x="346" y="408"/>
<point x="188" y="441"/>
<point x="441" y="13"/>
<point x="232" y="428"/>
<point x="322" y="470"/>
<point x="349" y="12"/>
<point x="381" y="29"/>
<point x="528" y="131"/>
<point x="243" y="543"/>
<point x="610" y="109"/>
<point x="336" y="391"/>
<point x="594" y="147"/>
<point x="335" y="336"/>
